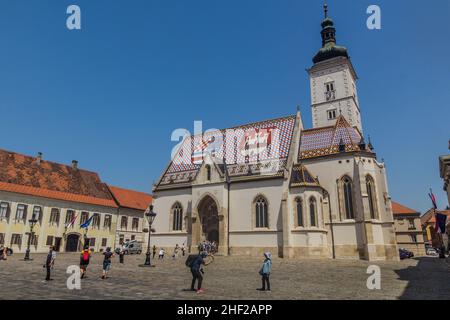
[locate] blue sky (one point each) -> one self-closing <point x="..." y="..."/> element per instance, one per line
<point x="111" y="94"/>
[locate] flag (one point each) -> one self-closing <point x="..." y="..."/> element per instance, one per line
<point x="433" y="199"/>
<point x="74" y="218"/>
<point x="441" y="220"/>
<point x="197" y="156"/>
<point x="87" y="223"/>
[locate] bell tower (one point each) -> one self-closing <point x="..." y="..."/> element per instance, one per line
<point x="333" y="81"/>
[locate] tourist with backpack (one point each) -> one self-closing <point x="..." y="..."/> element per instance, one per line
<point x="195" y="262"/>
<point x="265" y="271"/>
<point x="84" y="260"/>
<point x="107" y="262"/>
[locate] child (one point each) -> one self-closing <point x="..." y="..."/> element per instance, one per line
<point x="265" y="271"/>
<point x="161" y="254"/>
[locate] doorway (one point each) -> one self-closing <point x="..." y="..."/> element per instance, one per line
<point x="73" y="241"/>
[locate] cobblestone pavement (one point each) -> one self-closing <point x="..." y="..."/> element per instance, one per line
<point x="227" y="278"/>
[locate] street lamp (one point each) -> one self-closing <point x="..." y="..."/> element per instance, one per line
<point x="150" y="215"/>
<point x="32" y="222"/>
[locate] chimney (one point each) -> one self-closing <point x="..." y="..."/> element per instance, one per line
<point x="74" y="164"/>
<point x="39" y="158"/>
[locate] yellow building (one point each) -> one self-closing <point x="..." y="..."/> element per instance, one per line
<point x="408" y="230"/>
<point x="54" y="200"/>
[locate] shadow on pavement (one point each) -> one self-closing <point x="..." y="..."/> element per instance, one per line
<point x="428" y="280"/>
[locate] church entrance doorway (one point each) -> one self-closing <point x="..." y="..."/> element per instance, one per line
<point x="209" y="220"/>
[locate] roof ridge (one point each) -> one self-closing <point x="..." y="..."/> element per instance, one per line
<point x="47" y="161"/>
<point x="245" y="125"/>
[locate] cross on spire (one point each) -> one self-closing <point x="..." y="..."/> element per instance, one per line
<point x="325" y="9"/>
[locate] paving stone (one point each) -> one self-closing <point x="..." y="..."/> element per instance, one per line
<point x="227" y="278"/>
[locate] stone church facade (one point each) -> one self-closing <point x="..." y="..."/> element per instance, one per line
<point x="276" y="186"/>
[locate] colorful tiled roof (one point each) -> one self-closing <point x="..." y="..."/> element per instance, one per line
<point x="130" y="198"/>
<point x="399" y="209"/>
<point x="244" y="148"/>
<point x="302" y="177"/>
<point x="29" y="175"/>
<point x="326" y="140"/>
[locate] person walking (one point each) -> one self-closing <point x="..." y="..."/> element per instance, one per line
<point x="265" y="271"/>
<point x="49" y="262"/>
<point x="121" y="255"/>
<point x="154" y="251"/>
<point x="4" y="253"/>
<point x="197" y="272"/>
<point x="175" y="252"/>
<point x="183" y="250"/>
<point x="107" y="262"/>
<point x="85" y="256"/>
<point x="161" y="254"/>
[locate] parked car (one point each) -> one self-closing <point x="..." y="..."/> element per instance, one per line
<point x="131" y="247"/>
<point x="405" y="254"/>
<point x="432" y="252"/>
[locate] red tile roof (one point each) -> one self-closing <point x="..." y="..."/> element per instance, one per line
<point x="26" y="175"/>
<point x="397" y="208"/>
<point x="131" y="199"/>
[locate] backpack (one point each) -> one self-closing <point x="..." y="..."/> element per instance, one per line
<point x="85" y="256"/>
<point x="190" y="260"/>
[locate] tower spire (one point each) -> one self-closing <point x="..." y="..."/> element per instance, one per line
<point x="325" y="9"/>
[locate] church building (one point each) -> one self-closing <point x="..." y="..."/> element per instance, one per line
<point x="276" y="186"/>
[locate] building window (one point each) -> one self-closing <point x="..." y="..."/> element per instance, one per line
<point x="124" y="223"/>
<point x="135" y="224"/>
<point x="21" y="213"/>
<point x="177" y="215"/>
<point x="92" y="242"/>
<point x="411" y="225"/>
<point x="261" y="213"/>
<point x="330" y="93"/>
<point x="107" y="222"/>
<point x="4" y="211"/>
<point x="96" y="221"/>
<point x="2" y="238"/>
<point x="208" y="172"/>
<point x="371" y="193"/>
<point x="133" y="237"/>
<point x="84" y="217"/>
<point x="37" y="214"/>
<point x="70" y="218"/>
<point x="34" y="240"/>
<point x="313" y="212"/>
<point x="121" y="239"/>
<point x="54" y="217"/>
<point x="347" y="192"/>
<point x="104" y="242"/>
<point x="49" y="241"/>
<point x="299" y="210"/>
<point x="16" y="239"/>
<point x="332" y="114"/>
<point x="413" y="238"/>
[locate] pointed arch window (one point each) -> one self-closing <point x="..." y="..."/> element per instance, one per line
<point x="299" y="212"/>
<point x="208" y="172"/>
<point x="177" y="216"/>
<point x="261" y="210"/>
<point x="313" y="212"/>
<point x="347" y="186"/>
<point x="371" y="193"/>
